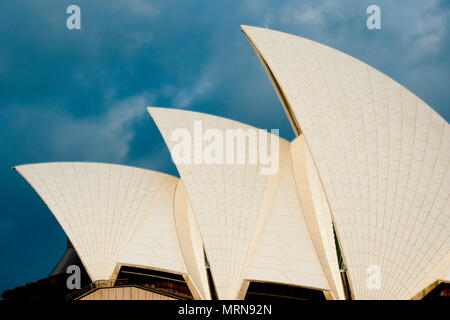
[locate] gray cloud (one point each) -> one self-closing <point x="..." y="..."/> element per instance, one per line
<point x="103" y="137"/>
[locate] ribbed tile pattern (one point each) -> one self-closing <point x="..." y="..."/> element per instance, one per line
<point x="285" y="252"/>
<point x="382" y="155"/>
<point x="154" y="244"/>
<point x="98" y="205"/>
<point x="225" y="198"/>
<point x="191" y="243"/>
<point x="317" y="213"/>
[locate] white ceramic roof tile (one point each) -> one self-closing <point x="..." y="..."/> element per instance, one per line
<point x="317" y="213"/>
<point x="381" y="154"/>
<point x="289" y="256"/>
<point x="191" y="243"/>
<point x="270" y="240"/>
<point x="98" y="205"/>
<point x="155" y="240"/>
<point x="225" y="198"/>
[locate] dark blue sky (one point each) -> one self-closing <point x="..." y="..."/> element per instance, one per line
<point x="80" y="95"/>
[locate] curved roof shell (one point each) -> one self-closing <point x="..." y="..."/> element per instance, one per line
<point x="252" y="224"/>
<point x="116" y="215"/>
<point x="382" y="155"/>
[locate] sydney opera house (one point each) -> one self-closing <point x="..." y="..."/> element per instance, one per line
<point x="358" y="207"/>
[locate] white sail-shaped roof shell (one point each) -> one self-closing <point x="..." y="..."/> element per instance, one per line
<point x="118" y="215"/>
<point x="285" y="252"/>
<point x="98" y="205"/>
<point x="154" y="244"/>
<point x="167" y="240"/>
<point x="191" y="244"/>
<point x="317" y="213"/>
<point x="382" y="155"/>
<point x="225" y="198"/>
<point x="252" y="225"/>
